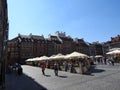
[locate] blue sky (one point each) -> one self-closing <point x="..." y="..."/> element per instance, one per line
<point x="93" y="20"/>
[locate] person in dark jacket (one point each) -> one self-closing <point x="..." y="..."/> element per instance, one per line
<point x="19" y="69"/>
<point x="56" y="67"/>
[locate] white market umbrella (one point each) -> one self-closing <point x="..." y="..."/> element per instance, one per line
<point x="40" y="58"/>
<point x="43" y="58"/>
<point x="28" y="60"/>
<point x="35" y="59"/>
<point x="52" y="57"/>
<point x="114" y="52"/>
<point x="76" y="55"/>
<point x="109" y="52"/>
<point x="32" y="59"/>
<point x="59" y="57"/>
<point x="98" y="56"/>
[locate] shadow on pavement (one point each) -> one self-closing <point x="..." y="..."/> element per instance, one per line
<point x="62" y="76"/>
<point x="22" y="82"/>
<point x="96" y="70"/>
<point x="47" y="75"/>
<point x="93" y="69"/>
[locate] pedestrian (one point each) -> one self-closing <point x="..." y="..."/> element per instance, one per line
<point x="43" y="66"/>
<point x="69" y="66"/>
<point x="112" y="61"/>
<point x="105" y="61"/>
<point x="65" y="64"/>
<point x="56" y="67"/>
<point x="72" y="68"/>
<point x="109" y="61"/>
<point x="19" y="69"/>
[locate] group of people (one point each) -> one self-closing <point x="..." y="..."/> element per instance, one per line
<point x="56" y="68"/>
<point x="16" y="68"/>
<point x="68" y="66"/>
<point x="103" y="60"/>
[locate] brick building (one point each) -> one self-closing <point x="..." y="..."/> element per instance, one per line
<point x="23" y="47"/>
<point x="66" y="42"/>
<point x="82" y="46"/>
<point x="115" y="42"/>
<point x="96" y="48"/>
<point x="56" y="45"/>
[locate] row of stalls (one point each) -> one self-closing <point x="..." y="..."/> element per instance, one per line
<point x="111" y="56"/>
<point x="74" y="62"/>
<point x="114" y="54"/>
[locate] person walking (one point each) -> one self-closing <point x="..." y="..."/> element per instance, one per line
<point x="112" y="61"/>
<point x="56" y="67"/>
<point x="19" y="69"/>
<point x="66" y="66"/>
<point x="43" y="66"/>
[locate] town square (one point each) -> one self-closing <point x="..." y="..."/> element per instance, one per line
<point x="59" y="45"/>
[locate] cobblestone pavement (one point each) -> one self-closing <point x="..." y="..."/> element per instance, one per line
<point x="103" y="77"/>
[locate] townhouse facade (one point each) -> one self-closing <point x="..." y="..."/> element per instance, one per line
<point x="96" y="48"/>
<point x="56" y="45"/>
<point x="115" y="42"/>
<point x="66" y="42"/>
<point x="82" y="46"/>
<point x="23" y="47"/>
